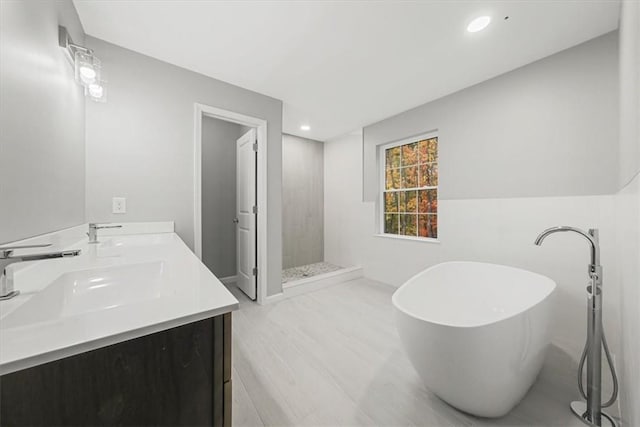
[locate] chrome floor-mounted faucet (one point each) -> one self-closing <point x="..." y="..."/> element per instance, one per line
<point x="591" y="414"/>
<point x="7" y="258"/>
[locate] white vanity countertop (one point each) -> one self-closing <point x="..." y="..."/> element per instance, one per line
<point x="125" y="287"/>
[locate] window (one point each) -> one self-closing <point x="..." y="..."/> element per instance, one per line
<point x="410" y="188"/>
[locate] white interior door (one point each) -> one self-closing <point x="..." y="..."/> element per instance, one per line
<point x="246" y="218"/>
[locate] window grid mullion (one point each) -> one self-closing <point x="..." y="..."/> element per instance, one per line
<point x="399" y="191"/>
<point x="433" y="187"/>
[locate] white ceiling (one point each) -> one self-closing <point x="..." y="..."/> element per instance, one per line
<point x="340" y="65"/>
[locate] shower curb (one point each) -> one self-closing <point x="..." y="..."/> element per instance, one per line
<point x="314" y="283"/>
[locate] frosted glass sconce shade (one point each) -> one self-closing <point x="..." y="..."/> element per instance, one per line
<point x="87" y="68"/>
<point x="97" y="91"/>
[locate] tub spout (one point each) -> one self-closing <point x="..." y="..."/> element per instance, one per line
<point x="591" y="236"/>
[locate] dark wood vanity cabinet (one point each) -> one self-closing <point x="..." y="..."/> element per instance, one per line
<point x="176" y="377"/>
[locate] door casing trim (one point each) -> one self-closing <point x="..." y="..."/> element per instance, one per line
<point x="202" y="110"/>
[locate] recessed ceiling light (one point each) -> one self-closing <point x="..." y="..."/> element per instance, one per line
<point x="305" y="127"/>
<point x="479" y="24"/>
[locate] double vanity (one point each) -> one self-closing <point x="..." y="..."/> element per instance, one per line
<point x="134" y="330"/>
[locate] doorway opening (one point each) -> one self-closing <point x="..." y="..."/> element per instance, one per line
<point x="304" y="266"/>
<point x="230" y="198"/>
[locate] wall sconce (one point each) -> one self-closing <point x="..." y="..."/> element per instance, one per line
<point x="87" y="67"/>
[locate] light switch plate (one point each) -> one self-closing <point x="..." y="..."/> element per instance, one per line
<point x="119" y="205"/>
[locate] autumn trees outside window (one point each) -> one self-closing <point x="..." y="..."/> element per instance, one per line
<point x="410" y="195"/>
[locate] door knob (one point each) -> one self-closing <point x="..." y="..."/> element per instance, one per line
<point x="236" y="220"/>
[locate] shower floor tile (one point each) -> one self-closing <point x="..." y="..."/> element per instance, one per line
<point x="309" y="270"/>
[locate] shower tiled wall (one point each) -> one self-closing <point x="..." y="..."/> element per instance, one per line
<point x="302" y="201"/>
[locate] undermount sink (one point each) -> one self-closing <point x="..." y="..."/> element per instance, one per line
<point x="80" y="292"/>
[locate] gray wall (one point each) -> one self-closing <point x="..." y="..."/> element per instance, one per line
<point x="42" y="121"/>
<point x="219" y="195"/>
<point x="628" y="211"/>
<point x="303" y="201"/>
<point x="630" y="92"/>
<point x="547" y="129"/>
<point x="140" y="144"/>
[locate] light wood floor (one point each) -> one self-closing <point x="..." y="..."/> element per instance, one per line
<point x="333" y="357"/>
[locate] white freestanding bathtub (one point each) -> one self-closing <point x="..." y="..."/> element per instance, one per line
<point x="476" y="333"/>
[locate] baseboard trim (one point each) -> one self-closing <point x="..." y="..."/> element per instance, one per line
<point x="229" y="280"/>
<point x="273" y="298"/>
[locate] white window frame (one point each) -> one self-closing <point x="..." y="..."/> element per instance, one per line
<point x="382" y="189"/>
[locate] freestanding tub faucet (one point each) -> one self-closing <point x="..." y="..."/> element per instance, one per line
<point x="591" y="413"/>
<point x="7" y="258"/>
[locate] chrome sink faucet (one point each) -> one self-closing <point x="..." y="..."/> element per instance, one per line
<point x="7" y="258"/>
<point x="93" y="231"/>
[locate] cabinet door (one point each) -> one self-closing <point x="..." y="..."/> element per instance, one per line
<point x="173" y="377"/>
